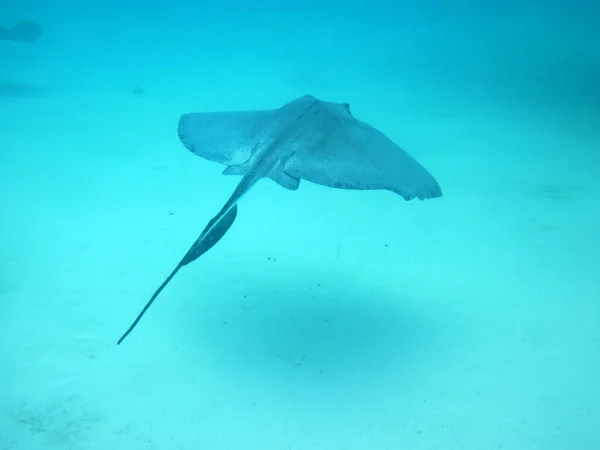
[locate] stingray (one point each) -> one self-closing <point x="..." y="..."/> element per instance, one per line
<point x="25" y="32"/>
<point x="305" y="139"/>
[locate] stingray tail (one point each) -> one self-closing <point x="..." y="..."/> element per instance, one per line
<point x="212" y="234"/>
<point x="141" y="314"/>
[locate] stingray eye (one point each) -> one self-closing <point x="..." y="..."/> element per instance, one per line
<point x="346" y="106"/>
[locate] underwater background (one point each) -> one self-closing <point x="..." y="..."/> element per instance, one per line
<point x="325" y="319"/>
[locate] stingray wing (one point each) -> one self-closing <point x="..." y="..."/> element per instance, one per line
<point x="224" y="137"/>
<point x="331" y="147"/>
<point x="354" y="155"/>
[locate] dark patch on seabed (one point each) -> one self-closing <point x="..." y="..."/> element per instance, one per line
<point x="11" y="89"/>
<point x="555" y="191"/>
<point x="64" y="423"/>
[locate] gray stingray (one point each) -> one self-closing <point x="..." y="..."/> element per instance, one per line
<point x="25" y="32"/>
<point x="306" y="139"/>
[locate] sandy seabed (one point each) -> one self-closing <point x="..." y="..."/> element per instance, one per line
<point x="325" y="319"/>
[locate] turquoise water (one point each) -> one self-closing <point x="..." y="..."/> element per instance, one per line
<point x="325" y="319"/>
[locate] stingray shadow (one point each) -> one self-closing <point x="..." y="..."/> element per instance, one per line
<point x="325" y="333"/>
<point x="13" y="90"/>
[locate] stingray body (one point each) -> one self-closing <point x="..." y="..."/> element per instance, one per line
<point x="308" y="139"/>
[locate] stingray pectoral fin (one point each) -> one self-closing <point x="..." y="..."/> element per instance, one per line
<point x="355" y="155"/>
<point x="212" y="234"/>
<point x="224" y="137"/>
<point x="282" y="178"/>
<point x="236" y="170"/>
<point x="276" y="174"/>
